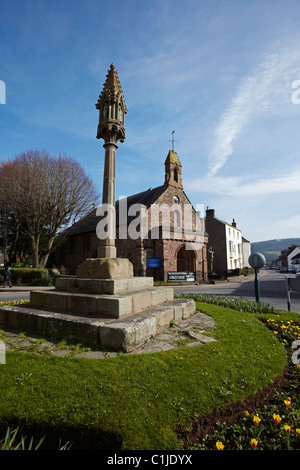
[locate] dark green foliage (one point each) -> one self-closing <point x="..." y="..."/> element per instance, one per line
<point x="29" y="276"/>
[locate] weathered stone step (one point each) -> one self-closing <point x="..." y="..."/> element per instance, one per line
<point x="103" y="286"/>
<point x="125" y="334"/>
<point x="113" y="306"/>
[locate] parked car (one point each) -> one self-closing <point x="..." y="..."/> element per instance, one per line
<point x="283" y="270"/>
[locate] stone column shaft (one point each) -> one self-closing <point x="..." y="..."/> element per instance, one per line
<point x="106" y="247"/>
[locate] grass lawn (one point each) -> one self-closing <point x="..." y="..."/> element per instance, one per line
<point x="137" y="401"/>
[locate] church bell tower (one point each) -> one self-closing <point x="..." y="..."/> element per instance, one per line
<point x="173" y="170"/>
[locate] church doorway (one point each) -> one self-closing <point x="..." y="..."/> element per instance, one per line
<point x="185" y="260"/>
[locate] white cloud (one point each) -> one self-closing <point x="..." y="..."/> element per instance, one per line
<point x="236" y="186"/>
<point x="265" y="90"/>
<point x="289" y="227"/>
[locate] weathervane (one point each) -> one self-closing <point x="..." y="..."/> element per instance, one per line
<point x="173" y="140"/>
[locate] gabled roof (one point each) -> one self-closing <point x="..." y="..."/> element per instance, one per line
<point x="146" y="198"/>
<point x="89" y="222"/>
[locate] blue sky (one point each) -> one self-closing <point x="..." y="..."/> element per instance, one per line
<point x="218" y="72"/>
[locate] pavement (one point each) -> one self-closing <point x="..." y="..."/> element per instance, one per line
<point x="230" y="280"/>
<point x="24" y="288"/>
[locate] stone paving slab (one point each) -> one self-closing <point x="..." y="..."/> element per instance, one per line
<point x="190" y="331"/>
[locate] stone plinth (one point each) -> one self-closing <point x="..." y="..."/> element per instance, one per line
<point x="105" y="268"/>
<point x="126" y="334"/>
<point x="103" y="286"/>
<point x="101" y="305"/>
<point x="106" y="307"/>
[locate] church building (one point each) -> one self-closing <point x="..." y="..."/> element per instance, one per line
<point x="158" y="230"/>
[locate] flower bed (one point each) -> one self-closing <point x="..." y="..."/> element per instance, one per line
<point x="275" y="426"/>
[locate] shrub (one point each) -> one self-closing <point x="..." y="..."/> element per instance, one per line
<point x="29" y="276"/>
<point x="236" y="303"/>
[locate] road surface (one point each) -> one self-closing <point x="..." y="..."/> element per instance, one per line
<point x="10" y="296"/>
<point x="272" y="286"/>
<point x="272" y="290"/>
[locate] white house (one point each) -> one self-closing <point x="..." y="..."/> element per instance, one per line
<point x="234" y="242"/>
<point x="293" y="258"/>
<point x="227" y="249"/>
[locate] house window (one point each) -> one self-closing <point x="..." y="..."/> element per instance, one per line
<point x="231" y="247"/>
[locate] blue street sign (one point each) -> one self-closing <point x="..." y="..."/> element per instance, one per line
<point x="153" y="262"/>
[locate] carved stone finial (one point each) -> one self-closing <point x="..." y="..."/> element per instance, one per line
<point x="112" y="109"/>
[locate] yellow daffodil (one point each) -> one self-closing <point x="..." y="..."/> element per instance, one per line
<point x="219" y="445"/>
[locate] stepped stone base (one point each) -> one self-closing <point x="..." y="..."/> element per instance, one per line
<point x="118" y="314"/>
<point x="126" y="334"/>
<point x="103" y="286"/>
<point x="101" y="305"/>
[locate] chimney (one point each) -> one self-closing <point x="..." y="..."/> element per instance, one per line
<point x="233" y="223"/>
<point x="210" y="212"/>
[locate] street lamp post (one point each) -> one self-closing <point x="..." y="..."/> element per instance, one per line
<point x="257" y="261"/>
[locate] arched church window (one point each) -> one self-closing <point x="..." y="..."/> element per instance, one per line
<point x="176" y="218"/>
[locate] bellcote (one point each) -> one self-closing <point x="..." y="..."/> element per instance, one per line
<point x="112" y="109"/>
<point x="173" y="170"/>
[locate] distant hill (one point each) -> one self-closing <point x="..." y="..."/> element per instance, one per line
<point x="271" y="249"/>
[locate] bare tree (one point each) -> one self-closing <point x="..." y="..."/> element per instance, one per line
<point x="45" y="194"/>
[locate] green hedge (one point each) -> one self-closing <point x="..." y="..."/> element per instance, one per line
<point x="29" y="276"/>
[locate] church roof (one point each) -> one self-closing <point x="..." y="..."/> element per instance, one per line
<point x="89" y="222"/>
<point x="173" y="157"/>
